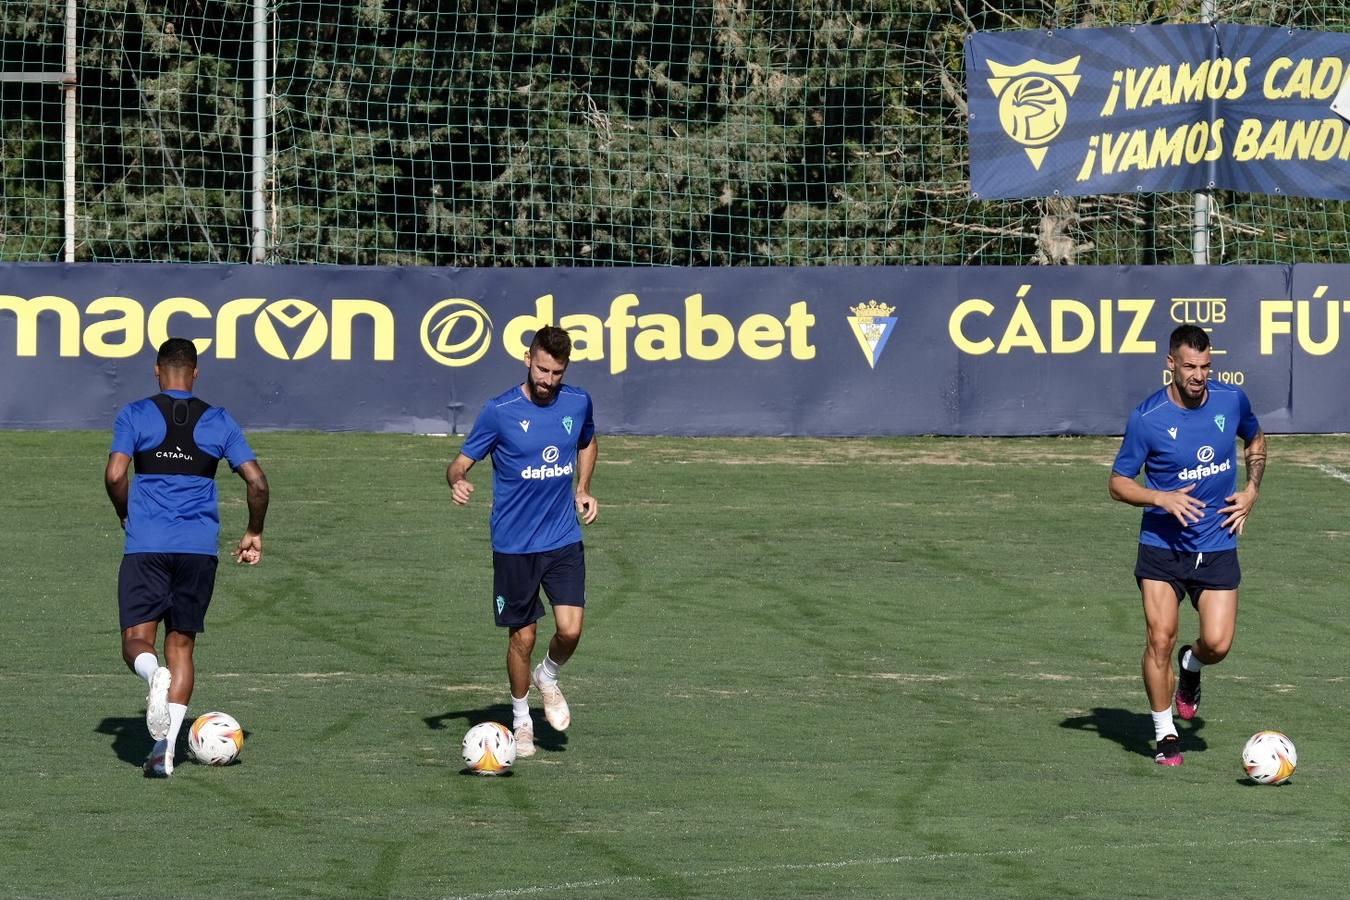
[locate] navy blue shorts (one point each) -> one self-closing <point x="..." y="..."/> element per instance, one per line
<point x="517" y="578"/>
<point x="1188" y="571"/>
<point x="173" y="587"/>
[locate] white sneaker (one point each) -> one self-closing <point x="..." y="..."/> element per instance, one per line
<point x="555" y="704"/>
<point x="157" y="704"/>
<point x="524" y="738"/>
<point x="159" y="764"/>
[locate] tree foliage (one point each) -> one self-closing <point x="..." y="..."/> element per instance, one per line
<point x="460" y="133"/>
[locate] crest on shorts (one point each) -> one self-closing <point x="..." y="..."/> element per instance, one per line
<point x="501" y="604"/>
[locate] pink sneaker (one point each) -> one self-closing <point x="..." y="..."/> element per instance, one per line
<point x="1169" y="751"/>
<point x="1188" y="688"/>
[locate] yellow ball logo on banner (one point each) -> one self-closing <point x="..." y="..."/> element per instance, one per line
<point x="456" y="332"/>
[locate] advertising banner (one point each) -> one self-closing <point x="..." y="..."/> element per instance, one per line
<point x="726" y="351"/>
<point x="1157" y="108"/>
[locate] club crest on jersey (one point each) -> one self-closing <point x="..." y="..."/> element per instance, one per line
<point x="525" y="425"/>
<point x="1173" y="432"/>
<point x="567" y="424"/>
<point x="1219" y="420"/>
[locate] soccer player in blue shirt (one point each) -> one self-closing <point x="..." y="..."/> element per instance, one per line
<point x="171" y="518"/>
<point x="539" y="434"/>
<point x="1184" y="439"/>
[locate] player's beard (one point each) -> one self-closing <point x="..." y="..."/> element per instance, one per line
<point x="542" y="396"/>
<point x="1191" y="396"/>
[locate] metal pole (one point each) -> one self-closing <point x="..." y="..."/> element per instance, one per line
<point x="1200" y="226"/>
<point x="1200" y="231"/>
<point x="68" y="138"/>
<point x="259" y="253"/>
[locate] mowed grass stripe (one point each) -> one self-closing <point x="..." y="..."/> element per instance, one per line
<point x="893" y="667"/>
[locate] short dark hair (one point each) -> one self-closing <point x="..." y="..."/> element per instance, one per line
<point x="177" y="353"/>
<point x="554" y="341"/>
<point x="1188" y="335"/>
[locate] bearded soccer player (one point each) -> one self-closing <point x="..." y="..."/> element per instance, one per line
<point x="171" y="517"/>
<point x="1184" y="438"/>
<point x="539" y="434"/>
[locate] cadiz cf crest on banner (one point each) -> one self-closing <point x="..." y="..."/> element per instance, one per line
<point x="1158" y="109"/>
<point x="1033" y="101"/>
<point x="872" y="324"/>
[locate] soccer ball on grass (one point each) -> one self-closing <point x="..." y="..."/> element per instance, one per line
<point x="489" y="749"/>
<point x="1269" y="757"/>
<point x="215" y="739"/>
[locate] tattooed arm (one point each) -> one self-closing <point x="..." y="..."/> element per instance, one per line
<point x="1240" y="504"/>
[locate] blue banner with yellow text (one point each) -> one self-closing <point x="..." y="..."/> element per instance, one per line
<point x="729" y="351"/>
<point x="1157" y="108"/>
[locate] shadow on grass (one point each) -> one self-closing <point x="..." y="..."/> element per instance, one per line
<point x="545" y="736"/>
<point x="1133" y="731"/>
<point x="131" y="742"/>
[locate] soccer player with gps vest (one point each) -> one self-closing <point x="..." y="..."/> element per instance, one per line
<point x="171" y="517"/>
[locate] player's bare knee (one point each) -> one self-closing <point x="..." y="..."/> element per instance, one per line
<point x="1210" y="652"/>
<point x="1161" y="642"/>
<point x="568" y="638"/>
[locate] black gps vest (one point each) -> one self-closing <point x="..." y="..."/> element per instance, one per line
<point x="178" y="454"/>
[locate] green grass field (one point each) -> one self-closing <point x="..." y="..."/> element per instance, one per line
<point x="844" y="668"/>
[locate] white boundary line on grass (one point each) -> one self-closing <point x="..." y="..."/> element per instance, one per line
<point x="617" y="880"/>
<point x="1334" y="472"/>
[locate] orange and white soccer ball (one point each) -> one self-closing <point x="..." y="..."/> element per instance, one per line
<point x="489" y="749"/>
<point x="215" y="739"/>
<point x="1269" y="757"/>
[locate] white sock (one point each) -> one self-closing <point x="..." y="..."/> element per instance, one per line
<point x="1190" y="662"/>
<point x="145" y="665"/>
<point x="1162" y="724"/>
<point x="520" y="710"/>
<point x="177" y="712"/>
<point x="548" y="669"/>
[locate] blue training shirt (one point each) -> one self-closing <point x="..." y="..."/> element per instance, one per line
<point x="176" y="513"/>
<point x="1176" y="446"/>
<point x="534" y="456"/>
